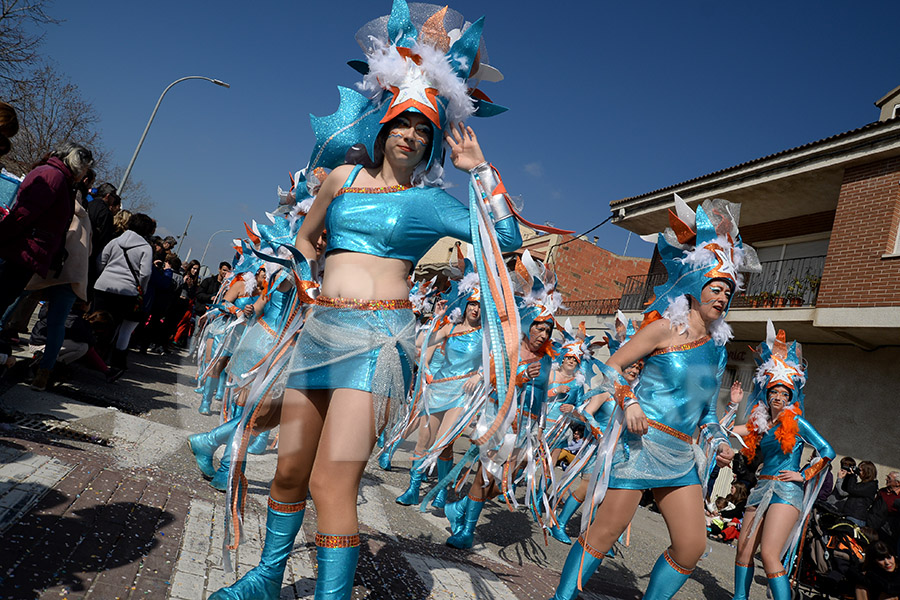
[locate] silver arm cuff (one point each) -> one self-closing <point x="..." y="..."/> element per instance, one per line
<point x="499" y="206"/>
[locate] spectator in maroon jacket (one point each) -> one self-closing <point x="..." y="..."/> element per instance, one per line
<point x="32" y="234"/>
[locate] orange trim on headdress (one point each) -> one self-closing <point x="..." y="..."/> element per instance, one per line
<point x="253" y="237"/>
<point x="434" y="33"/>
<point x="682" y="230"/>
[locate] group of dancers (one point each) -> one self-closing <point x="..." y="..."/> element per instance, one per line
<point x="321" y="332"/>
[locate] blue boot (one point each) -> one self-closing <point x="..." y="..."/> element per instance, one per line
<point x="443" y="468"/>
<point x="779" y="585"/>
<point x="384" y="461"/>
<point x="263" y="582"/>
<point x="666" y="578"/>
<point x="743" y="578"/>
<point x="569" y="507"/>
<point x="568" y="579"/>
<point x="206" y="398"/>
<point x="259" y="443"/>
<point x="220" y="389"/>
<point x="411" y="495"/>
<point x="204" y="445"/>
<point x="220" y="479"/>
<point x="456" y="514"/>
<point x="336" y="556"/>
<point x="380" y="441"/>
<point x="466" y="536"/>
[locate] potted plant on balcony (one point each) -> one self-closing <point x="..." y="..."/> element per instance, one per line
<point x="778" y="299"/>
<point x="812" y="282"/>
<point x="795" y="292"/>
<point x="766" y="300"/>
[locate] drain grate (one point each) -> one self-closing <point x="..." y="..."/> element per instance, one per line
<point x="56" y="428"/>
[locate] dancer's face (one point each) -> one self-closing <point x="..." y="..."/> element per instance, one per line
<point x="473" y="313"/>
<point x="779" y="397"/>
<point x="409" y="136"/>
<point x="714" y="300"/>
<point x="538" y="334"/>
<point x="632" y="371"/>
<point x="570" y="363"/>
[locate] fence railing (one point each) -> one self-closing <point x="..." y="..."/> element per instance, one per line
<point x="791" y="282"/>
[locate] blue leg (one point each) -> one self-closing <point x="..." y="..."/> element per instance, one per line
<point x="206" y="399"/>
<point x="466" y="536"/>
<point x="259" y="443"/>
<point x="456" y="514"/>
<point x="743" y="578"/>
<point x="569" y="507"/>
<point x="264" y="581"/>
<point x="779" y="585"/>
<point x="384" y="461"/>
<point x="336" y="556"/>
<point x="581" y="559"/>
<point x="666" y="578"/>
<point x="220" y="390"/>
<point x="411" y="495"/>
<point x="204" y="445"/>
<point x="443" y="468"/>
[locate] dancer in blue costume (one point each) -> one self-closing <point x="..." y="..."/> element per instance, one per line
<point x="783" y="497"/>
<point x="522" y="447"/>
<point x="352" y="362"/>
<point x="566" y="385"/>
<point x="682" y="343"/>
<point x="456" y="353"/>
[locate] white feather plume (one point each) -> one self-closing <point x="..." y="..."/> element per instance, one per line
<point x="678" y="313"/>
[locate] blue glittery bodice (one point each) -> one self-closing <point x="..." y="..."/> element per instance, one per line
<point x="274" y="307"/>
<point x="775" y="460"/>
<point x="245" y="301"/>
<point x="461" y="354"/>
<point x="556" y="399"/>
<point x="403" y="223"/>
<point x="679" y="386"/>
<point x="533" y="394"/>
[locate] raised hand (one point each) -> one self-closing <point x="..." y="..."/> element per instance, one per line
<point x="465" y="152"/>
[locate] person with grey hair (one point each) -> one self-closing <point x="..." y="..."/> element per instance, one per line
<point x="32" y="234"/>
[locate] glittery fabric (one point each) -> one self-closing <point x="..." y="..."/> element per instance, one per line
<point x="678" y="390"/>
<point x="286" y="507"/>
<point x="675" y="565"/>
<point x="337" y="541"/>
<point x="363" y="304"/>
<point x="461" y="358"/>
<point x="257" y="339"/>
<point x="769" y="490"/>
<point x="403" y="224"/>
<point x="368" y="350"/>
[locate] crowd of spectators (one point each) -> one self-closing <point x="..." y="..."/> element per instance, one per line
<point x="103" y="281"/>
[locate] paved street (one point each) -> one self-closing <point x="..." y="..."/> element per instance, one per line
<point x="100" y="499"/>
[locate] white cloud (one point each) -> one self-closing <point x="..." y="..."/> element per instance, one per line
<point x="534" y="168"/>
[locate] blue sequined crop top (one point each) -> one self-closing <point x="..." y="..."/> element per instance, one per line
<point x="400" y="222"/>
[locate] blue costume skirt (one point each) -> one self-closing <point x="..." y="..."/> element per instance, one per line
<point x="368" y="349"/>
<point x="254" y="345"/>
<point x="654" y="460"/>
<point x="441" y="396"/>
<point x="773" y="491"/>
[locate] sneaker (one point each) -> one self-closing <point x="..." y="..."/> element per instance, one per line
<point x="41" y="380"/>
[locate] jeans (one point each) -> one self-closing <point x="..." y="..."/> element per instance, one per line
<point x="60" y="299"/>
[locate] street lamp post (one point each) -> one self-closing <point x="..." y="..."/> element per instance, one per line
<point x="209" y="241"/>
<point x="153" y="114"/>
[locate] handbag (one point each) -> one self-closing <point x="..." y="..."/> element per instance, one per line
<point x="136" y="313"/>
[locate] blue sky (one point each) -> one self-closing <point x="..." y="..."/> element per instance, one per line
<point x="607" y="100"/>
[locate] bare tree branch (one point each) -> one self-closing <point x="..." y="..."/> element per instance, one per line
<point x="18" y="41"/>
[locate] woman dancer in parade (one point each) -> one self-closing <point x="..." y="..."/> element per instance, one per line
<point x="683" y="339"/>
<point x="500" y="465"/>
<point x="352" y="363"/>
<point x="456" y="353"/>
<point x="780" y="501"/>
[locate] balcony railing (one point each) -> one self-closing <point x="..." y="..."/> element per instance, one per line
<point x="793" y="282"/>
<point x="601" y="307"/>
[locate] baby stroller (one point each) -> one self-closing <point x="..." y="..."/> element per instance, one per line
<point x="831" y="556"/>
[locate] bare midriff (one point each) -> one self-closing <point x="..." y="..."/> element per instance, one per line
<point x="365" y="277"/>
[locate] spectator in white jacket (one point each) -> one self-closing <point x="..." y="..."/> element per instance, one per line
<point x="125" y="266"/>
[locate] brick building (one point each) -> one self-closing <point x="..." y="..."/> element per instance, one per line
<point x="825" y="220"/>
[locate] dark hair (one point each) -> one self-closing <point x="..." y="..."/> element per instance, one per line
<point x="224" y="264"/>
<point x="739" y="494"/>
<point x="173" y="261"/>
<point x="867" y="471"/>
<point x="9" y="126"/>
<point x="104" y="190"/>
<point x="848" y="463"/>
<point x="190" y="265"/>
<point x="142" y="225"/>
<point x="381" y="139"/>
<point x="877" y="551"/>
